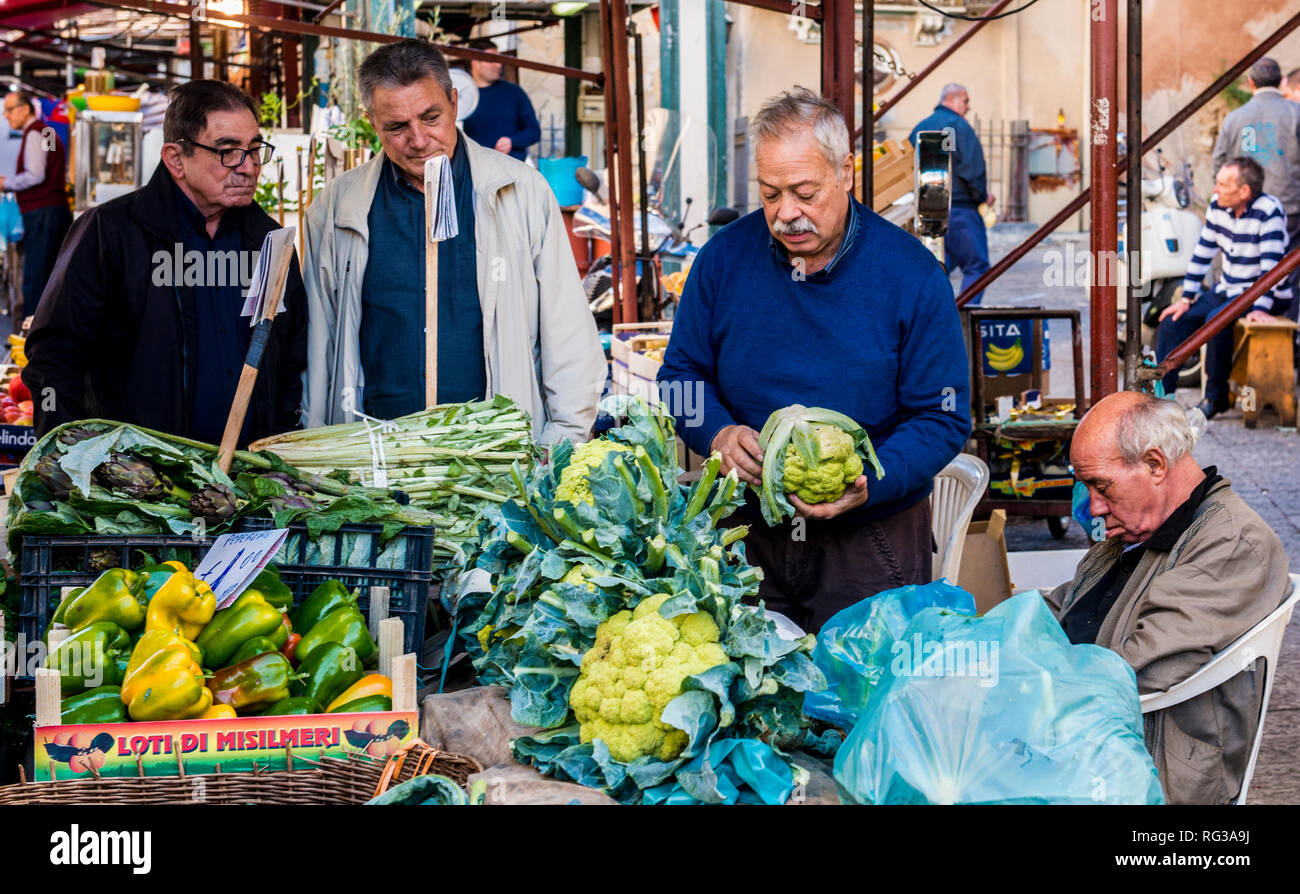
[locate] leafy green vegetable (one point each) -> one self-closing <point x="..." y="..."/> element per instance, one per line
<point x="549" y="571"/>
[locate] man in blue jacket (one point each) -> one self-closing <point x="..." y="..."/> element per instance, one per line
<point x="816" y="300"/>
<point x="967" y="244"/>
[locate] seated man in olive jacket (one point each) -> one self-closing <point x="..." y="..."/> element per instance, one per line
<point x="1186" y="568"/>
<point x="141" y="320"/>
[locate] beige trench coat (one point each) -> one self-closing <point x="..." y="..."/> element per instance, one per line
<point x="539" y="338"/>
<point x="1224" y="575"/>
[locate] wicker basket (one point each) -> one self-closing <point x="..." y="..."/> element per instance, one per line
<point x="330" y="780"/>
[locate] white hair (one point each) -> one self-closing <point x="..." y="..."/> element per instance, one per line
<point x="950" y="90"/>
<point x="800" y="107"/>
<point x="1154" y="423"/>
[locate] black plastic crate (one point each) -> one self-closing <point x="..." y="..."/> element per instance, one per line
<point x="304" y="565"/>
<point x="51" y="563"/>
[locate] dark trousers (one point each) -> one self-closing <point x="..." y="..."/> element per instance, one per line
<point x="808" y="580"/>
<point x="1218" y="351"/>
<point x="966" y="246"/>
<point x="43" y="232"/>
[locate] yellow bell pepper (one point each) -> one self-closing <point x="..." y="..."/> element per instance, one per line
<point x="164" y="680"/>
<point x="224" y="712"/>
<point x="371" y="684"/>
<point x="183" y="605"/>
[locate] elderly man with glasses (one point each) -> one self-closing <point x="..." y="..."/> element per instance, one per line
<point x="142" y="319"/>
<point x="42" y="195"/>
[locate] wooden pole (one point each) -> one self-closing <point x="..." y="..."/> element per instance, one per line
<point x="432" y="172"/>
<point x="248" y="376"/>
<point x="390" y="644"/>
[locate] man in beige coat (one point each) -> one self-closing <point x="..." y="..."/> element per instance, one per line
<point x="1186" y="568"/>
<point x="513" y="318"/>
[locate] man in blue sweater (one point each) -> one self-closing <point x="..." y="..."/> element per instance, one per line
<point x="504" y="119"/>
<point x="816" y="300"/>
<point x="966" y="245"/>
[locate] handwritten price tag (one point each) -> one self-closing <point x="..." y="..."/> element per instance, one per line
<point x="235" y="559"/>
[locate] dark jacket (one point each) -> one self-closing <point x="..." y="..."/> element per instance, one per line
<point x="969" y="177"/>
<point x="111" y="343"/>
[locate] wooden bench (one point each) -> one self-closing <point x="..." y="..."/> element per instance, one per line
<point x="1263" y="369"/>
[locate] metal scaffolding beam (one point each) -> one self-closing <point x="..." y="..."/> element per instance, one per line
<point x="1104" y="236"/>
<point x="1187" y="111"/>
<point x="907" y="88"/>
<point x="1222" y="319"/>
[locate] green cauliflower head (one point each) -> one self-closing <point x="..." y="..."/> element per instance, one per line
<point x="633" y="671"/>
<point x="574" y="485"/>
<point x="840" y="466"/>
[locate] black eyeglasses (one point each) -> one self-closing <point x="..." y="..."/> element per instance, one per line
<point x="233" y="156"/>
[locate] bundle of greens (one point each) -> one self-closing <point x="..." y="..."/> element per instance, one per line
<point x="97" y="476"/>
<point x="453" y="459"/>
<point x="609" y="601"/>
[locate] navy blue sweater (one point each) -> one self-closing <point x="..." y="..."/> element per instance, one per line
<point x="504" y="110"/>
<point x="875" y="336"/>
<point x="969" y="177"/>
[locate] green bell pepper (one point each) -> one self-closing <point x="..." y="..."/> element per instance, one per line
<point x="332" y="668"/>
<point x="253" y="684"/>
<point x="62" y="609"/>
<point x="366" y="704"/>
<point x="295" y="705"/>
<point x="90" y="656"/>
<point x="103" y="704"/>
<point x="250" y="615"/>
<point x="277" y="592"/>
<point x="251" y="649"/>
<point x="116" y="596"/>
<point x="345" y="625"/>
<point x="324" y="599"/>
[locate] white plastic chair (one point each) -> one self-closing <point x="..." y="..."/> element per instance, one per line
<point x="957" y="490"/>
<point x="1264" y="640"/>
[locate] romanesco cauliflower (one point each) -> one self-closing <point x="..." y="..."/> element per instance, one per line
<point x="840" y="466"/>
<point x="634" y="670"/>
<point x="574" y="485"/>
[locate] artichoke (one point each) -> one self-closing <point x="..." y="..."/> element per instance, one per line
<point x="137" y="478"/>
<point x="214" y="503"/>
<point x="52" y="476"/>
<point x="291" y="501"/>
<point x="76" y="434"/>
<point x="289" y="483"/>
<point x="102" y="559"/>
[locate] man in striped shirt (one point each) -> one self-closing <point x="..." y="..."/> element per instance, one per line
<point x="1249" y="227"/>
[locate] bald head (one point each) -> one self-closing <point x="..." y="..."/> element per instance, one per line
<point x="1133" y="452"/>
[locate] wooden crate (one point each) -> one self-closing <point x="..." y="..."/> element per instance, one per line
<point x="241" y="744"/>
<point x="892" y="174"/>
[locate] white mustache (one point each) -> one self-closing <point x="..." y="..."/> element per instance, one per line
<point x="796" y="227"/>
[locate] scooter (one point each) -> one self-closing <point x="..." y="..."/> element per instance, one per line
<point x="1169" y="235"/>
<point x="667" y="239"/>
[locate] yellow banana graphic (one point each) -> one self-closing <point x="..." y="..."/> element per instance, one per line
<point x="1003" y="359"/>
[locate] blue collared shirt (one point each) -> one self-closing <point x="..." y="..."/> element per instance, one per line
<point x="393" y="301"/>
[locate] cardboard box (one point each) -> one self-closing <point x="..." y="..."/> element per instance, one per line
<point x="984" y="572"/>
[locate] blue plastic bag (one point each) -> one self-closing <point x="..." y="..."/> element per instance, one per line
<point x="11" y="219"/>
<point x="999" y="709"/>
<point x="737" y="771"/>
<point x="855" y="646"/>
